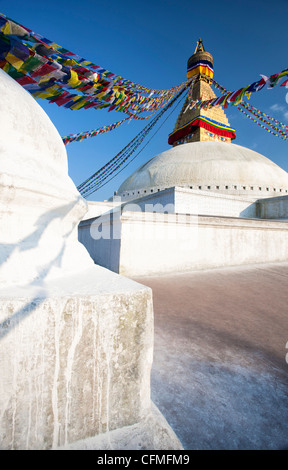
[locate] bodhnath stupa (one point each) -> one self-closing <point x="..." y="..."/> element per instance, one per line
<point x="206" y="165"/>
<point x="205" y="202"/>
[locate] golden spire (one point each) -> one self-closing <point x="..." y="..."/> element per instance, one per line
<point x="199" y="46"/>
<point x="196" y="125"/>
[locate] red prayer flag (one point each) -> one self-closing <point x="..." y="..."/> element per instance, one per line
<point x="44" y="70"/>
<point x="25" y="80"/>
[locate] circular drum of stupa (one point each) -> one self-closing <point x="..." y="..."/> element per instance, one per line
<point x="213" y="166"/>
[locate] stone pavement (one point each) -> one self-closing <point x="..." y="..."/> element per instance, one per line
<point x="220" y="375"/>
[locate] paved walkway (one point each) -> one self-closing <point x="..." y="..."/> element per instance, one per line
<point x="220" y="375"/>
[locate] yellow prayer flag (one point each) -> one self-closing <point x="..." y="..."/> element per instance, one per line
<point x="49" y="92"/>
<point x="6" y="67"/>
<point x="74" y="80"/>
<point x="86" y="62"/>
<point x="54" y="45"/>
<point x="70" y="62"/>
<point x="6" y="28"/>
<point x="79" y="104"/>
<point x="15" y="61"/>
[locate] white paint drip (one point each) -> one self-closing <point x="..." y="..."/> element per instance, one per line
<point x="108" y="379"/>
<point x="97" y="377"/>
<point x="57" y="329"/>
<point x="77" y="334"/>
<point x="14" y="397"/>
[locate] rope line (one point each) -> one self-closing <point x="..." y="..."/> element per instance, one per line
<point x="93" y="183"/>
<point x="135" y="156"/>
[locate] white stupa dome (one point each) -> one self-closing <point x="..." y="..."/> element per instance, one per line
<point x="40" y="207"/>
<point x="214" y="166"/>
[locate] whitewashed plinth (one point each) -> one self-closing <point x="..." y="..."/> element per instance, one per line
<point x="152" y="433"/>
<point x="76" y="357"/>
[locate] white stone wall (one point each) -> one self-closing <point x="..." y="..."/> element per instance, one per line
<point x="101" y="237"/>
<point x="210" y="203"/>
<point x="189" y="201"/>
<point x="214" y="242"/>
<point x="156" y="243"/>
<point x="273" y="208"/>
<point x="96" y="208"/>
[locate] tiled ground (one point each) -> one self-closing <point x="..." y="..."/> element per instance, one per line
<point x="220" y="375"/>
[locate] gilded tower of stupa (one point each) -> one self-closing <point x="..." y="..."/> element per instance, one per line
<point x="196" y="125"/>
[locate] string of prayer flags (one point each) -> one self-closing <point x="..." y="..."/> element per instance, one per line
<point x="261" y="116"/>
<point x="49" y="71"/>
<point x="278" y="133"/>
<point x="273" y="80"/>
<point x="85" y="135"/>
<point x="266" y="118"/>
<point x="101" y="130"/>
<point x="237" y="96"/>
<point x="47" y="48"/>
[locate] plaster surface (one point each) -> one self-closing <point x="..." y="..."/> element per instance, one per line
<point x="40" y="206"/>
<point x="273" y="208"/>
<point x="220" y="367"/>
<point x="230" y="167"/>
<point x="192" y="201"/>
<point x="141" y="243"/>
<point x="152" y="433"/>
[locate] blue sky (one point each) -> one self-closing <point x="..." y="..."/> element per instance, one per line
<point x="149" y="42"/>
